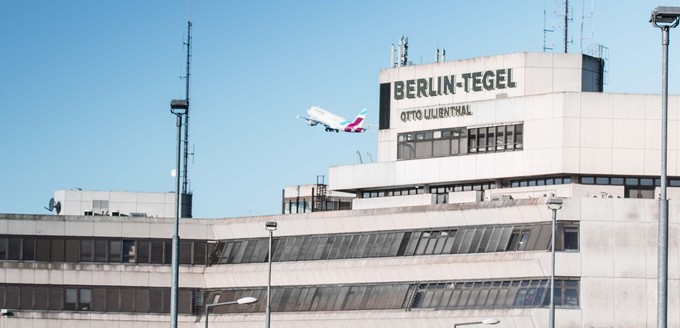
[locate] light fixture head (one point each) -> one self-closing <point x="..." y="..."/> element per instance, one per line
<point x="665" y="16"/>
<point x="6" y="313"/>
<point x="246" y="300"/>
<point x="179" y="106"/>
<point x="490" y="321"/>
<point x="554" y="203"/>
<point x="270" y="225"/>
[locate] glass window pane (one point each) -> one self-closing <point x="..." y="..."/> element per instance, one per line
<point x="185" y="252"/>
<point x="157" y="252"/>
<point x="571" y="238"/>
<point x="70" y="299"/>
<point x="129" y="251"/>
<point x="85" y="300"/>
<point x="3" y="248"/>
<point x="115" y="251"/>
<point x="469" y="237"/>
<point x="86" y="250"/>
<point x="571" y="297"/>
<point x="72" y="251"/>
<point x="143" y="251"/>
<point x="100" y="250"/>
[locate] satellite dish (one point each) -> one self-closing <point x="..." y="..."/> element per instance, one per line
<point x="52" y="206"/>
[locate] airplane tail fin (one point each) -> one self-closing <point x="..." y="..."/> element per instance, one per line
<point x="359" y="120"/>
<point x="355" y="126"/>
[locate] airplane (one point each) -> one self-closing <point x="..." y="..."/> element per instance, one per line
<point x="332" y="122"/>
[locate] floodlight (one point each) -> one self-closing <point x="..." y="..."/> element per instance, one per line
<point x="666" y="16"/>
<point x="270" y="225"/>
<point x="554" y="203"/>
<point x="178" y="106"/>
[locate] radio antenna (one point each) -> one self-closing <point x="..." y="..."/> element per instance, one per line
<point x="185" y="173"/>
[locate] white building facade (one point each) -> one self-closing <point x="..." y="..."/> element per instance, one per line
<point x="449" y="226"/>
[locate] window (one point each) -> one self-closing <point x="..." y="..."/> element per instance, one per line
<point x="571" y="238"/>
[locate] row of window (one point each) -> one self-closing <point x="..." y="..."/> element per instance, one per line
<point x="634" y="187"/>
<point x="435" y="295"/>
<point x="84" y="250"/>
<point x="460" y="240"/>
<point x="495" y="294"/>
<point x="304" y="205"/>
<point x="537" y="182"/>
<point x="481" y="185"/>
<point x="496" y="138"/>
<point x="88" y="298"/>
<point x="459" y="141"/>
<point x="393" y="192"/>
<point x="501" y="294"/>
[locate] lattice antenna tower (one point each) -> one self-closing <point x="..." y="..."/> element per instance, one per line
<point x="586" y="17"/>
<point x="187" y="78"/>
<point x="567" y="19"/>
<point x="546" y="30"/>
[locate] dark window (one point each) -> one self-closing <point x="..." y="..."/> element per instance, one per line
<point x="42" y="252"/>
<point x="72" y="252"/>
<point x="571" y="238"/>
<point x="115" y="251"/>
<point x="28" y="249"/>
<point x="14" y="251"/>
<point x="3" y="248"/>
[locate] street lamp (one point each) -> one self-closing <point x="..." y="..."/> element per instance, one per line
<point x="664" y="18"/>
<point x="244" y="300"/>
<point x="553" y="204"/>
<point x="178" y="108"/>
<point x="489" y="321"/>
<point x="271" y="227"/>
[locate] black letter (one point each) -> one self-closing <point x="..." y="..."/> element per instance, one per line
<point x="511" y="83"/>
<point x="410" y="89"/>
<point x="466" y="78"/>
<point x="433" y="92"/>
<point x="477" y="81"/>
<point x="399" y="90"/>
<point x="422" y="87"/>
<point x="488" y="80"/>
<point x="500" y="79"/>
<point x="449" y="85"/>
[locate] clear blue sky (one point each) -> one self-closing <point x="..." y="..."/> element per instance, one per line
<point x="86" y="85"/>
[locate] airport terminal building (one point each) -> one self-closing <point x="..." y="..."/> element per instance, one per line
<point x="449" y="226"/>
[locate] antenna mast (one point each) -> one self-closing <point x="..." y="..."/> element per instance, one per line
<point x="185" y="172"/>
<point x="566" y="25"/>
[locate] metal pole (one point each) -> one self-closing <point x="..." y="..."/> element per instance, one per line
<point x="175" y="236"/>
<point x="662" y="276"/>
<point x="551" y="322"/>
<point x="207" y="311"/>
<point x="269" y="282"/>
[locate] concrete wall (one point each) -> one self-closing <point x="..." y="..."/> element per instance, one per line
<point x="152" y="204"/>
<point x="616" y="263"/>
<point x="580" y="133"/>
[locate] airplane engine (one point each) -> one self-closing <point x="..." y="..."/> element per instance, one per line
<point x="311" y="123"/>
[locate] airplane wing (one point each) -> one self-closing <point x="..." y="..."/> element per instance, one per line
<point x="311" y="121"/>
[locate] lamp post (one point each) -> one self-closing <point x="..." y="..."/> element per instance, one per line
<point x="554" y="204"/>
<point x="664" y="18"/>
<point x="271" y="227"/>
<point x="244" y="300"/>
<point x="178" y="108"/>
<point x="489" y="321"/>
